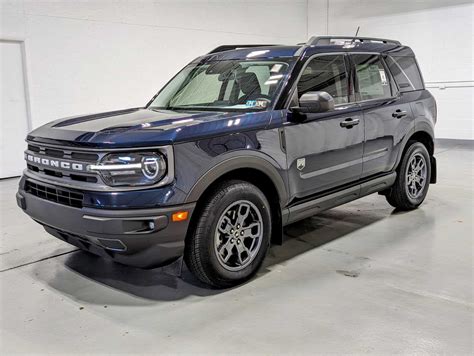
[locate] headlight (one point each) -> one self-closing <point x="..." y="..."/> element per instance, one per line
<point x="131" y="169"/>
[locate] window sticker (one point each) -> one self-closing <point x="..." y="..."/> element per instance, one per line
<point x="370" y="81"/>
<point x="383" y="77"/>
<point x="256" y="103"/>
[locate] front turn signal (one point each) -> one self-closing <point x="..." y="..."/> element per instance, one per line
<point x="179" y="216"/>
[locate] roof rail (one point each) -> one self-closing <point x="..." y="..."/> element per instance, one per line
<point x="231" y="47"/>
<point x="326" y="40"/>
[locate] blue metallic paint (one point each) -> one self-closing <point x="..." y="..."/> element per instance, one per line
<point x="209" y="144"/>
<point x="145" y="127"/>
<point x="204" y="139"/>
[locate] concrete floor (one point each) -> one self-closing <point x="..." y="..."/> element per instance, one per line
<point x="357" y="279"/>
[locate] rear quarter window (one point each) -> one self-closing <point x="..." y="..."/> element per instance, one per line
<point x="406" y="73"/>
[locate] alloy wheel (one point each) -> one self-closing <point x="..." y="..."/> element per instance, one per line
<point x="416" y="176"/>
<point x="238" y="235"/>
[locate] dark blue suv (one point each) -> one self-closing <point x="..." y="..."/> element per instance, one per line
<point x="243" y="141"/>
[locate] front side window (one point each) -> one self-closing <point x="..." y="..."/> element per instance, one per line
<point x="326" y="73"/>
<point x="224" y="85"/>
<point x="371" y="77"/>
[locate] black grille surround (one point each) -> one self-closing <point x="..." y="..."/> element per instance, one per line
<point x="55" y="194"/>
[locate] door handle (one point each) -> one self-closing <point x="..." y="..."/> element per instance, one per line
<point x="349" y="123"/>
<point x="398" y="114"/>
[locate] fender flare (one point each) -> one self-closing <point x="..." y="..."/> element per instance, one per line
<point x="254" y="162"/>
<point x="421" y="127"/>
<point x="424" y="126"/>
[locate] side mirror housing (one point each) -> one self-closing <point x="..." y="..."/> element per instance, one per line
<point x="313" y="102"/>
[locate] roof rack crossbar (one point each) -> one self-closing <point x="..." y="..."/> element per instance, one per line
<point x="326" y="40"/>
<point x="231" y="47"/>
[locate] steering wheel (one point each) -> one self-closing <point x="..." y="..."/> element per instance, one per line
<point x="264" y="97"/>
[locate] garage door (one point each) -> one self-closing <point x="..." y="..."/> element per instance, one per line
<point x="13" y="109"/>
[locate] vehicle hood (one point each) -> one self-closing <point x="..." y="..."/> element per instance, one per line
<point x="140" y="127"/>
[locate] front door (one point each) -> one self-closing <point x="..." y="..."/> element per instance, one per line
<point x="325" y="151"/>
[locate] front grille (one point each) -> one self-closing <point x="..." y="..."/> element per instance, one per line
<point x="65" y="153"/>
<point x="54" y="153"/>
<point x="87" y="157"/>
<point x="69" y="154"/>
<point x="34" y="148"/>
<point x="54" y="194"/>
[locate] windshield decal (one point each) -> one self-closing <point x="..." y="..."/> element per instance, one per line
<point x="256" y="103"/>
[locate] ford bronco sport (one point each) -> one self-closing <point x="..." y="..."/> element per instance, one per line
<point x="243" y="141"/>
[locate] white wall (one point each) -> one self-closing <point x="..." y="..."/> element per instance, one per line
<point x="13" y="108"/>
<point x="90" y="56"/>
<point x="441" y="32"/>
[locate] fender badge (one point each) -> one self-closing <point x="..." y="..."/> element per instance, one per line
<point x="300" y="163"/>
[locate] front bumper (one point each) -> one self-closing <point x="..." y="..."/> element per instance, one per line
<point x="142" y="238"/>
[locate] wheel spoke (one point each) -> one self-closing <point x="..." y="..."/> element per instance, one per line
<point x="226" y="247"/>
<point x="420" y="165"/>
<point x="248" y="231"/>
<point x="227" y="257"/>
<point x="241" y="248"/>
<point x="242" y="215"/>
<point x="223" y="247"/>
<point x="228" y="225"/>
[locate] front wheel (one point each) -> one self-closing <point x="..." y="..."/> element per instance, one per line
<point x="413" y="178"/>
<point x="231" y="236"/>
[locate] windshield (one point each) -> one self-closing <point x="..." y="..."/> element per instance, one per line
<point x="224" y="85"/>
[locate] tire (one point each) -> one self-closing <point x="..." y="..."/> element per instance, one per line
<point x="410" y="189"/>
<point x="221" y="251"/>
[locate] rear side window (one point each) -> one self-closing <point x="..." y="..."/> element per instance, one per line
<point x="372" y="79"/>
<point x="406" y="73"/>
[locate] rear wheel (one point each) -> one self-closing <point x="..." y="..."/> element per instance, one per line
<point x="231" y="236"/>
<point x="413" y="177"/>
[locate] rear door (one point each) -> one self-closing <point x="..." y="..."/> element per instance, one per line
<point x="325" y="151"/>
<point x="387" y="115"/>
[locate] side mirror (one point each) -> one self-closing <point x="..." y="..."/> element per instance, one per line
<point x="313" y="102"/>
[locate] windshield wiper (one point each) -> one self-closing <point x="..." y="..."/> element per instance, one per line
<point x="159" y="108"/>
<point x="184" y="108"/>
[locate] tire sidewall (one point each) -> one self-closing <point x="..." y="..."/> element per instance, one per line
<point x="238" y="191"/>
<point x="412" y="150"/>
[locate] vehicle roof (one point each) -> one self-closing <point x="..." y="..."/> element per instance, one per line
<point x="260" y="52"/>
<point x="303" y="50"/>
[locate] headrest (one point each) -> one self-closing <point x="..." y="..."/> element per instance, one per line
<point x="248" y="83"/>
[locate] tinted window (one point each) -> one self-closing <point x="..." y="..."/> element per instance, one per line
<point x="406" y="73"/>
<point x="325" y="73"/>
<point x="372" y="79"/>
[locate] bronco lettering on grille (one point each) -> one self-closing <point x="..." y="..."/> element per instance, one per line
<point x="54" y="163"/>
